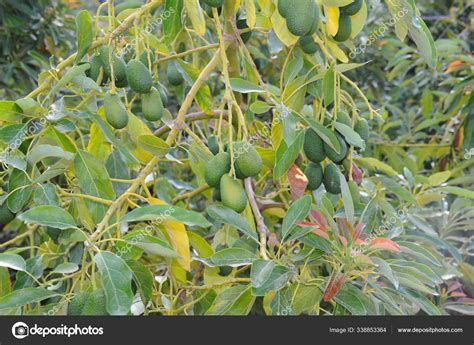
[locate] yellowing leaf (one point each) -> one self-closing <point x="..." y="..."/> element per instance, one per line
<point x="281" y="30"/>
<point x="194" y="11"/>
<point x="98" y="145"/>
<point x="337" y="52"/>
<point x="332" y="19"/>
<point x="135" y="129"/>
<point x="178" y="237"/>
<point x="358" y="20"/>
<point x="251" y="13"/>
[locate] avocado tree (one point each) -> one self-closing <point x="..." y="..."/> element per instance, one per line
<point x="218" y="158"/>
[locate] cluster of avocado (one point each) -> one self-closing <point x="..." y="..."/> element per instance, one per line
<point x="302" y="19"/>
<point x="345" y="24"/>
<point x="229" y="190"/>
<point x="316" y="150"/>
<point x="135" y="74"/>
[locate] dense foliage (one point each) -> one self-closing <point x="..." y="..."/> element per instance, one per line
<point x="235" y="157"/>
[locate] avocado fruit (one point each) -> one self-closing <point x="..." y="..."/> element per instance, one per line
<point x="218" y="166"/>
<point x="333" y="155"/>
<point x="115" y="112"/>
<point x="300" y="18"/>
<point x="242" y="24"/>
<point x="313" y="146"/>
<point x="233" y="194"/>
<point x="331" y="179"/>
<point x="345" y="29"/>
<point x="285" y="7"/>
<point x="351" y="9"/>
<point x="247" y="159"/>
<point x="94" y="71"/>
<point x="362" y="128"/>
<point x="120" y="68"/>
<point x="174" y="76"/>
<point x="6" y="216"/>
<point x="213" y="144"/>
<point x="139" y="77"/>
<point x="314" y="173"/>
<point x="152" y="105"/>
<point x="144" y="58"/>
<point x="343" y="117"/>
<point x="308" y="45"/>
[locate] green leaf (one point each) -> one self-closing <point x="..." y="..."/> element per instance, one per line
<point x="12" y="261"/>
<point x="48" y="215"/>
<point x="236" y="300"/>
<point x="462" y="192"/>
<point x="166" y="212"/>
<point x="351" y="136"/>
<point x="66" y="268"/>
<point x="375" y="164"/>
<point x="259" y="107"/>
<point x="227" y="216"/>
<point x="347" y="199"/>
<point x="95" y="181"/>
<point x="10" y="111"/>
<point x="286" y="156"/>
<point x="143" y="278"/>
<point x="154" y="145"/>
<point x="349" y="300"/>
<point x="267" y="276"/>
<point x="298" y="211"/>
<point x="234" y="257"/>
<point x="19" y="298"/>
<point x="84" y="32"/>
<point x="172" y="24"/>
<point x="73" y="72"/>
<point x="328" y="87"/>
<point x="19" y="190"/>
<point x="152" y="245"/>
<point x="116" y="279"/>
<point x="324" y="133"/>
<point x="244" y="86"/>
<point x="439" y="178"/>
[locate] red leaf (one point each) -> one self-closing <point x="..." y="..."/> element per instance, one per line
<point x="320" y="232"/>
<point x="384" y="244"/>
<point x="357" y="174"/>
<point x="298" y="182"/>
<point x="358" y="231"/>
<point x="319" y="218"/>
<point x="343" y="240"/>
<point x="335" y="284"/>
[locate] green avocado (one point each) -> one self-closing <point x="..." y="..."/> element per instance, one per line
<point x="337" y="158"/>
<point x="6" y="216"/>
<point x="285" y="7"/>
<point x="343" y="117"/>
<point x="345" y="29"/>
<point x="174" y="76"/>
<point x="213" y="144"/>
<point x="242" y="24"/>
<point x="163" y="93"/>
<point x="120" y="68"/>
<point x="94" y="71"/>
<point x="314" y="173"/>
<point x="247" y="159"/>
<point x="214" y="3"/>
<point x="362" y="128"/>
<point x="331" y="179"/>
<point x="313" y="146"/>
<point x="152" y="106"/>
<point x="219" y="165"/>
<point x="144" y="58"/>
<point x="216" y="194"/>
<point x="351" y="9"/>
<point x="115" y="111"/>
<point x="139" y="77"/>
<point x="300" y="19"/>
<point x="233" y="194"/>
<point x="308" y="45"/>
